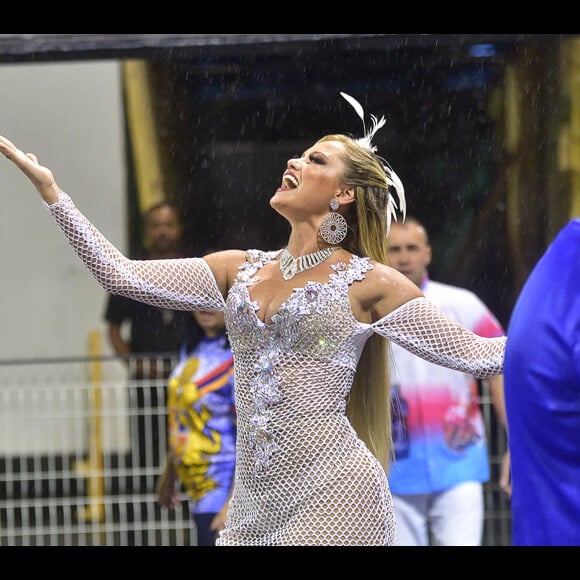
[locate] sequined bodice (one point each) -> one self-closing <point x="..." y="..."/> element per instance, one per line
<point x="287" y="370"/>
<point x="315" y="320"/>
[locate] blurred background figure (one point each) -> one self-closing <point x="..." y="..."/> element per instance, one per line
<point x="149" y="338"/>
<point x="542" y="376"/>
<point x="202" y="426"/>
<point x="441" y="454"/>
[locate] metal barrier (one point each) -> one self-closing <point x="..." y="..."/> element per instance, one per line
<point x="71" y="473"/>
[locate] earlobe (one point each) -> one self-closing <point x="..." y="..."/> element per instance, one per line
<point x="347" y="196"/>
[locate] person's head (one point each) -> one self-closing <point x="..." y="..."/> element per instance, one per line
<point x="211" y="322"/>
<point x="204" y="323"/>
<point x="338" y="167"/>
<point x="162" y="229"/>
<point x="409" y="249"/>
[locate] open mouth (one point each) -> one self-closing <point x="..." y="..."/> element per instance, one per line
<point x="289" y="181"/>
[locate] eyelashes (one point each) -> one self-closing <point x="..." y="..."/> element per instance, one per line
<point x="312" y="158"/>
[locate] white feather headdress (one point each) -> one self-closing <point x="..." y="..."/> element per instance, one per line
<point x="393" y="180"/>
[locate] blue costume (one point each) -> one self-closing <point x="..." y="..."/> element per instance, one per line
<point x="202" y="423"/>
<point x="542" y="392"/>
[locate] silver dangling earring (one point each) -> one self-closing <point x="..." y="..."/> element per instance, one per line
<point x="333" y="227"/>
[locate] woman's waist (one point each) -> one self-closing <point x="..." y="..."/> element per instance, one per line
<point x="299" y="438"/>
<point x="304" y="456"/>
<point x="292" y="420"/>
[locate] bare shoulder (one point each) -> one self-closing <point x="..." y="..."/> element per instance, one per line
<point x="225" y="257"/>
<point x="224" y="265"/>
<point x="383" y="289"/>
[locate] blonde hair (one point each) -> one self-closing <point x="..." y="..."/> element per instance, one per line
<point x="369" y="406"/>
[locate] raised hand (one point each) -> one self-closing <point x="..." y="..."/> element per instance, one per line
<point x="40" y="176"/>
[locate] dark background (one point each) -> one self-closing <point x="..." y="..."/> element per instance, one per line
<point x="233" y="108"/>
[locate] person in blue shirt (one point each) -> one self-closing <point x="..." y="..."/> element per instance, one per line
<point x="542" y="393"/>
<point x="201" y="426"/>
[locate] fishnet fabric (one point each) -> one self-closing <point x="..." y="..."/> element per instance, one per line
<point x="422" y="329"/>
<point x="184" y="284"/>
<point x="303" y="476"/>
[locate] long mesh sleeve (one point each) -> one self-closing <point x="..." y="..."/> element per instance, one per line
<point x="180" y="284"/>
<point x="421" y="328"/>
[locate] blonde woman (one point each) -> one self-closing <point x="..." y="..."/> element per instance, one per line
<point x="307" y="325"/>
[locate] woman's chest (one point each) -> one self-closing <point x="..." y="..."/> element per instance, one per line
<point x="316" y="318"/>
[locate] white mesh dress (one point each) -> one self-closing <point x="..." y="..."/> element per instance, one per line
<point x="303" y="477"/>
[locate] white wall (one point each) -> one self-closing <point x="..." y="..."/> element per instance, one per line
<point x="71" y="116"/>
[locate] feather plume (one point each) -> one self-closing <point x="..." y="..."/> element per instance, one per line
<point x="356" y="106"/>
<point x="366" y="140"/>
<point x="393" y="180"/>
<point x="397" y="184"/>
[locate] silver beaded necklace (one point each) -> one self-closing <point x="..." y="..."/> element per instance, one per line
<point x="291" y="266"/>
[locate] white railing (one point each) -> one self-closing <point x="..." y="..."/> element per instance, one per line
<point x="71" y="473"/>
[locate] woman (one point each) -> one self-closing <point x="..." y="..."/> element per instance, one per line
<point x="202" y="426"/>
<point x="307" y="325"/>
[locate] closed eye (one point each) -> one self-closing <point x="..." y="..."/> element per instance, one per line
<point x="314" y="158"/>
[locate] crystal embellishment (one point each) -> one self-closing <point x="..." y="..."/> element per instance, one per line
<point x="291" y="266"/>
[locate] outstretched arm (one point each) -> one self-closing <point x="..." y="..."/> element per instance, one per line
<point x="401" y="313"/>
<point x="424" y="330"/>
<point x="183" y="284"/>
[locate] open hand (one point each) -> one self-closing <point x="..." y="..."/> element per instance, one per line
<point x="40" y="176"/>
